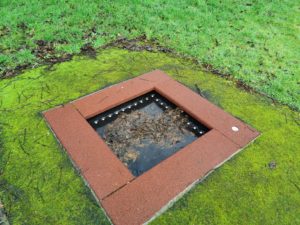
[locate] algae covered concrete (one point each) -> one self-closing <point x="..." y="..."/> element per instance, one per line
<point x="38" y="184"/>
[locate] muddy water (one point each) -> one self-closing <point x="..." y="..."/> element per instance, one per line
<point x="152" y="154"/>
<point x="146" y="130"/>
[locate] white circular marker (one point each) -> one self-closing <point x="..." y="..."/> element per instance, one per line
<point x="235" y="129"/>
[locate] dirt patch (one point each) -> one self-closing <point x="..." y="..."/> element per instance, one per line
<point x="88" y="50"/>
<point x="137" y="129"/>
<point x="140" y="43"/>
<point x="12" y="72"/>
<point x="46" y="52"/>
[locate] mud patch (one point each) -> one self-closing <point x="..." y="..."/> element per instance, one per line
<point x="146" y="130"/>
<point x="46" y="52"/>
<point x="140" y="43"/>
<point x="88" y="50"/>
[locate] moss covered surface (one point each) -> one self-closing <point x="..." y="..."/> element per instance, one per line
<point x="38" y="184"/>
<point x="254" y="41"/>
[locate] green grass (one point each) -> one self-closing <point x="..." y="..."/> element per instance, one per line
<point x="257" y="42"/>
<point x="38" y="184"/>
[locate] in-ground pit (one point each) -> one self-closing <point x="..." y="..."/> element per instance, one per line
<point x="131" y="194"/>
<point x="146" y="130"/>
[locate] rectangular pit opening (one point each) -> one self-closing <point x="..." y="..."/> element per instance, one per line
<point x="146" y="130"/>
<point x="142" y="133"/>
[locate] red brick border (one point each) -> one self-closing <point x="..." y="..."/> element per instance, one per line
<point x="134" y="200"/>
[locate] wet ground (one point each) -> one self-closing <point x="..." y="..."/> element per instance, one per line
<point x="259" y="174"/>
<point x="146" y="130"/>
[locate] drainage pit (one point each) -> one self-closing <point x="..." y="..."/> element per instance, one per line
<point x="146" y="130"/>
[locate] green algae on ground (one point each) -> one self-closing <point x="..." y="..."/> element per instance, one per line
<point x="38" y="184"/>
<point x="254" y="41"/>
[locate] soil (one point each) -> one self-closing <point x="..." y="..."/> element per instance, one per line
<point x="46" y="52"/>
<point x="137" y="129"/>
<point x="140" y="43"/>
<point x="88" y="50"/>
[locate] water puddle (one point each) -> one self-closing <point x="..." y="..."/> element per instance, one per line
<point x="146" y="130"/>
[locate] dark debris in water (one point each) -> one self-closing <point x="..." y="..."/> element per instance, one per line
<point x="133" y="129"/>
<point x="146" y="130"/>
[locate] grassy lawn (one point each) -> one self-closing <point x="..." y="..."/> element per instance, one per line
<point x="256" y="42"/>
<point x="38" y="184"/>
